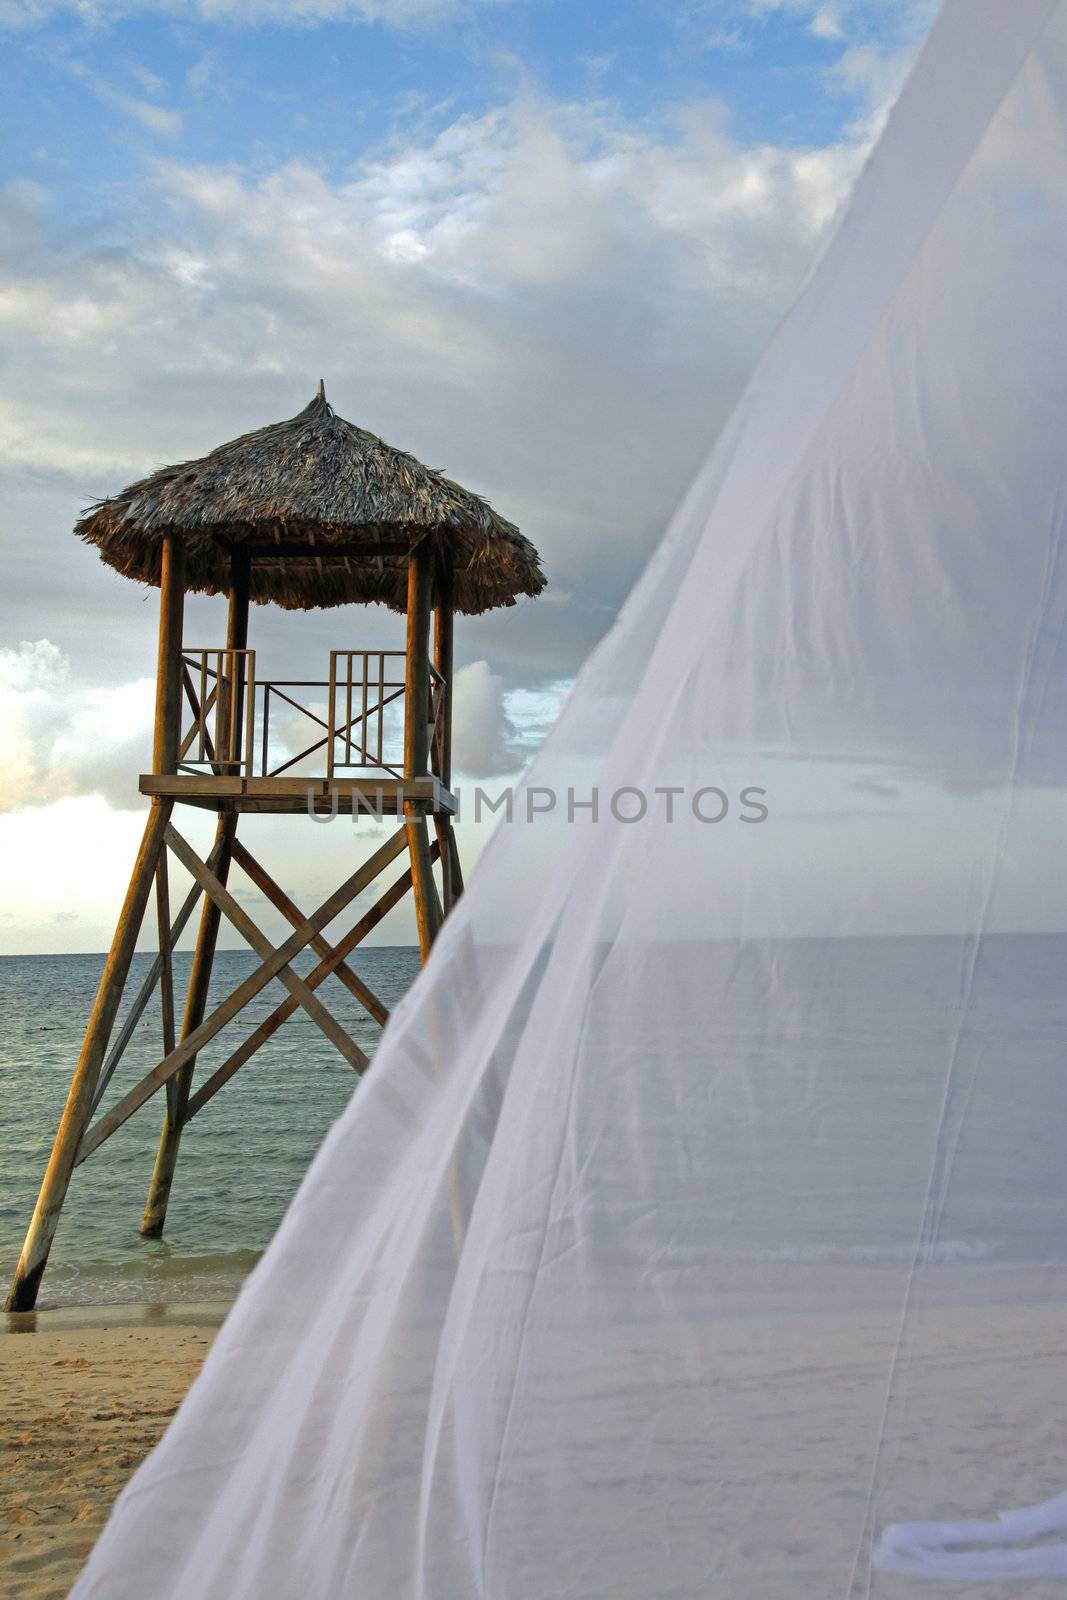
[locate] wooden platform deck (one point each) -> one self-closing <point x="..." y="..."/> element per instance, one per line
<point x="378" y="796"/>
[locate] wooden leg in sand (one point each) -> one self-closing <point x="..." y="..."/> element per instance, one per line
<point x="76" y="1113"/>
<point x="230" y="727"/>
<point x="155" y="1211"/>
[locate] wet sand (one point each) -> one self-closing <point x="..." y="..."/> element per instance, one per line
<point x="86" y="1395"/>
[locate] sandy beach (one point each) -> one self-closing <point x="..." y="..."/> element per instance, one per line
<point x="792" y="1396"/>
<point x="86" y="1396"/>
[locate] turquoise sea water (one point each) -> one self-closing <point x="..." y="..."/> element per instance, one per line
<point x="241" y="1158"/>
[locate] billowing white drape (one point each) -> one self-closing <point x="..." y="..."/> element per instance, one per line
<point x="701" y="1227"/>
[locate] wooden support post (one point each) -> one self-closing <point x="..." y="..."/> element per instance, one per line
<point x="155" y="1211"/>
<point x="417" y="667"/>
<point x="231" y="728"/>
<point x="443" y="632"/>
<point x="78" y="1109"/>
<point x="230" y="725"/>
<point x="169" y="658"/>
<point x="34" y="1258"/>
<point x="166" y="971"/>
<point x="443" y="652"/>
<point x="417" y="737"/>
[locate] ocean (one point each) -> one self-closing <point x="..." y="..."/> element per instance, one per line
<point x="241" y="1158"/>
<point x="714" y="1343"/>
<point x="839" y="1129"/>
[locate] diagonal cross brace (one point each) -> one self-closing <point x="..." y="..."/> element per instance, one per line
<point x="338" y="733"/>
<point x="144" y="994"/>
<point x="239" y="998"/>
<point x="231" y="908"/>
<point x="270" y="1025"/>
<point x="200" y="716"/>
<point x="292" y="913"/>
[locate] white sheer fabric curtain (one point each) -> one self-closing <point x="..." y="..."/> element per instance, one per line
<point x="704" y="1214"/>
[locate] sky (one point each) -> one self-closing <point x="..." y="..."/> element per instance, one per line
<point x="539" y="243"/>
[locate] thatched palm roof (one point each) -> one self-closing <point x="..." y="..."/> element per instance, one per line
<point x="328" y="513"/>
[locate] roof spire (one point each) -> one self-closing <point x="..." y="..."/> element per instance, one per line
<point x="320" y="393"/>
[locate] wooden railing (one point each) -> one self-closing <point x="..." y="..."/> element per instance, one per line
<point x="234" y="721"/>
<point x="220" y="687"/>
<point x="362" y="684"/>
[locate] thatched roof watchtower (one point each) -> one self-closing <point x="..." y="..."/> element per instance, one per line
<point x="306" y="513"/>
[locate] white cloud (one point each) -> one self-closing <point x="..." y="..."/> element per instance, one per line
<point x="554" y="304"/>
<point x="59" y="740"/>
<point x="150" y="81"/>
<point x="496" y="730"/>
<point x="481" y="729"/>
<point x="156" y="118"/>
<point x="825" y="24"/>
<point x="888" y="28"/>
<point x="65" y="867"/>
<point x="873" y="77"/>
